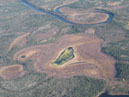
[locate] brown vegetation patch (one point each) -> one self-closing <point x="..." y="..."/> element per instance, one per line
<point x="26" y="53"/>
<point x="66" y="3"/>
<point x="127" y="26"/>
<point x="119" y="7"/>
<point x="9" y="72"/>
<point x="17" y="40"/>
<point x="84" y="17"/>
<point x="89" y="18"/>
<point x="67" y="10"/>
<point x="89" y="60"/>
<point x="76" y="38"/>
<point x="90" y="31"/>
<point x="46" y="35"/>
<point x="114" y="3"/>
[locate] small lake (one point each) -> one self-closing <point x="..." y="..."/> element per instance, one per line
<point x="106" y="95"/>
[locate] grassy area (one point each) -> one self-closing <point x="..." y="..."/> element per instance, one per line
<point x="64" y="57"/>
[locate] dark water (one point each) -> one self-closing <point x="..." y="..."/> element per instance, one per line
<point x="106" y="95"/>
<point x="110" y="14"/>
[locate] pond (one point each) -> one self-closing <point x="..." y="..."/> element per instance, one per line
<point x="106" y="95"/>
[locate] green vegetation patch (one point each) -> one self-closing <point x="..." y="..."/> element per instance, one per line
<point x="122" y="70"/>
<point x="65" y="56"/>
<point x="118" y="88"/>
<point x="77" y="86"/>
<point x="120" y="51"/>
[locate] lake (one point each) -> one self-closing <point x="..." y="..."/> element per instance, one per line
<point x="106" y="95"/>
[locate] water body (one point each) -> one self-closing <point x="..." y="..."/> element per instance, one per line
<point x="44" y="11"/>
<point x="106" y="95"/>
<point x="54" y="14"/>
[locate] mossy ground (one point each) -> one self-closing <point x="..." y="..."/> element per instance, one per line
<point x="64" y="57"/>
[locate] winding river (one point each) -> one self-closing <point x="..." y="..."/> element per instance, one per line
<point x="61" y="18"/>
<point x="45" y="11"/>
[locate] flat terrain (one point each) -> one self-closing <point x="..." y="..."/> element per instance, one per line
<point x="31" y="40"/>
<point x="81" y="16"/>
<point x="18" y="40"/>
<point x="9" y="72"/>
<point x="88" y="60"/>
